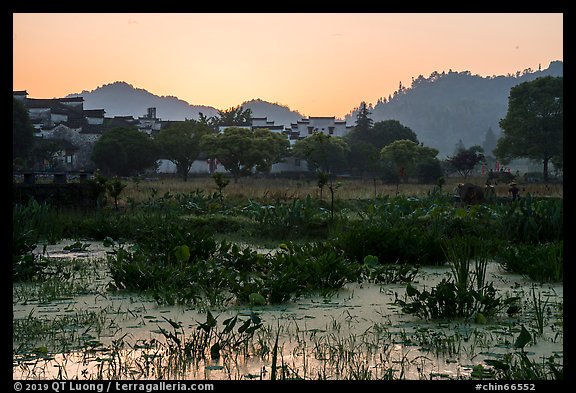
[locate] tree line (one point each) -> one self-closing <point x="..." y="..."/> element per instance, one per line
<point x="532" y="128"/>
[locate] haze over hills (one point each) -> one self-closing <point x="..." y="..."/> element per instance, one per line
<point x="441" y="109"/>
<point x="123" y="99"/>
<point x="281" y="114"/>
<point x="447" y="107"/>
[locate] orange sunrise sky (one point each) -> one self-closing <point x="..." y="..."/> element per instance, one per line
<point x="319" y="64"/>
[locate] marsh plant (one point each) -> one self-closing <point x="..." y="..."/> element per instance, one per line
<point x="466" y="295"/>
<point x="540" y="262"/>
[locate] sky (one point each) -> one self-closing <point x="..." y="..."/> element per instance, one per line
<point x="319" y="64"/>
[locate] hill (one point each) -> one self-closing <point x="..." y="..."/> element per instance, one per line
<point x="123" y="99"/>
<point x="281" y="114"/>
<point x="447" y="107"/>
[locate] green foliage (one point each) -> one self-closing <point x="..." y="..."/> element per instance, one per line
<point x="180" y="143"/>
<point x="241" y="150"/>
<point x="405" y="155"/>
<point x="176" y="266"/>
<point x="221" y="183"/>
<point x="428" y="170"/>
<point x="234" y="116"/>
<point x="518" y="366"/>
<point x="373" y="271"/>
<point x="363" y="120"/>
<point x="124" y="152"/>
<point x="115" y="188"/>
<point x="467" y="294"/>
<point x="448" y="300"/>
<point x="22" y="131"/>
<point x="465" y="160"/>
<point x="322" y="152"/>
<point x="297" y="270"/>
<point x="174" y="258"/>
<point x="289" y="220"/>
<point x="533" y="126"/>
<point x="400" y="243"/>
<point x="533" y="220"/>
<point x="542" y="262"/>
<point x="403" y="230"/>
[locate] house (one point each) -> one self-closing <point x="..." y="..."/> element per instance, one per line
<point x="65" y="119"/>
<point x="328" y="125"/>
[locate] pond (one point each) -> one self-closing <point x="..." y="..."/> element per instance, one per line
<point x="74" y="327"/>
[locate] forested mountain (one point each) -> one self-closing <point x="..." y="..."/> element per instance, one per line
<point x="123" y="99"/>
<point x="447" y="107"/>
<point x="443" y="109"/>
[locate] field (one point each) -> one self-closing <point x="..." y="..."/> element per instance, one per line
<point x="347" y="188"/>
<point x="267" y="280"/>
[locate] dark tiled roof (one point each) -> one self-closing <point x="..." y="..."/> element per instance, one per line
<point x="71" y="99"/>
<point x="42" y="103"/>
<point x="93" y="129"/>
<point x="94" y="112"/>
<point x="120" y="121"/>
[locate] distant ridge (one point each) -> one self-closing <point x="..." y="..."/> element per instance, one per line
<point x="280" y="114"/>
<point x="441" y="109"/>
<point x="447" y="107"/>
<point x="123" y="99"/>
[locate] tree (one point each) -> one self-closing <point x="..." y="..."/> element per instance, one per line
<point x="465" y="160"/>
<point x="180" y="143"/>
<point x="44" y="153"/>
<point x="459" y="147"/>
<point x="363" y="120"/>
<point x="385" y="132"/>
<point x="124" y="152"/>
<point x="365" y="146"/>
<point x="405" y="155"/>
<point x="274" y="147"/>
<point x="235" y="116"/>
<point x="490" y="142"/>
<point x="533" y="126"/>
<point x="323" y="152"/>
<point x="22" y="131"/>
<point x="429" y="170"/>
<point x="242" y="150"/>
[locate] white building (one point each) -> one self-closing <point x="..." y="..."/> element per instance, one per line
<point x="299" y="130"/>
<point x="326" y="125"/>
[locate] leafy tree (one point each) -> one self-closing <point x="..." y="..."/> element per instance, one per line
<point x="385" y="132"/>
<point x="405" y="155"/>
<point x="44" y="153"/>
<point x="363" y="157"/>
<point x="429" y="170"/>
<point x="465" y="160"/>
<point x="275" y="147"/>
<point x="180" y="143"/>
<point x="365" y="146"/>
<point x="124" y="152"/>
<point x="22" y="131"/>
<point x="533" y="126"/>
<point x="242" y="150"/>
<point x="322" y="152"/>
<point x="235" y="116"/>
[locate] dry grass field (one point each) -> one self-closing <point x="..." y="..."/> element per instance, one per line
<point x="287" y="189"/>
